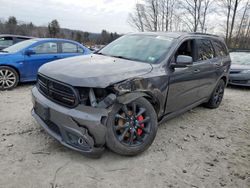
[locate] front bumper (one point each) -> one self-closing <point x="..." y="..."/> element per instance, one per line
<point x="239" y="79"/>
<point x="81" y="129"/>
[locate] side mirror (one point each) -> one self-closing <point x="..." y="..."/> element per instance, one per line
<point x="183" y="61"/>
<point x="29" y="52"/>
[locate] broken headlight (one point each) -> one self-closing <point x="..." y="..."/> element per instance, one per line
<point x="124" y="87"/>
<point x="96" y="97"/>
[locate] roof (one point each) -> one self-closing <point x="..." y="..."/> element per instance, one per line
<point x="20" y="36"/>
<point x="177" y="34"/>
<point x="55" y="39"/>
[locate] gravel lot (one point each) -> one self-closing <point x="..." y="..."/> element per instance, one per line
<point x="201" y="148"/>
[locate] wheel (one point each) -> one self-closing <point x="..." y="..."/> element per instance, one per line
<point x="9" y="78"/>
<point x="217" y="95"/>
<point x="131" y="128"/>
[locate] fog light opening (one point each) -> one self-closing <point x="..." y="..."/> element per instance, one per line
<point x="80" y="141"/>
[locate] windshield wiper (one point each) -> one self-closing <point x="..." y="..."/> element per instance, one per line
<point x="99" y="53"/>
<point x="116" y="56"/>
<point x="121" y="57"/>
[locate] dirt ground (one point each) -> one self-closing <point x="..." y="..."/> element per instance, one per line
<point x="201" y="148"/>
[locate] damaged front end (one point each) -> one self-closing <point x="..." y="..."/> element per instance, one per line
<point x="74" y="116"/>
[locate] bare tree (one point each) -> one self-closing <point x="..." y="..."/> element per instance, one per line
<point x="136" y="18"/>
<point x="228" y="5"/>
<point x="243" y="24"/>
<point x="153" y="15"/>
<point x="236" y="4"/>
<point x="247" y="36"/>
<point x="205" y="11"/>
<point x="196" y="13"/>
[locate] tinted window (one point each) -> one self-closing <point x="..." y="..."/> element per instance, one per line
<point x="80" y="50"/>
<point x="20" y="39"/>
<point x="186" y="48"/>
<point x="46" y="48"/>
<point x="205" y="50"/>
<point x="219" y="48"/>
<point x="69" y="48"/>
<point x="20" y="46"/>
<point x="6" y="41"/>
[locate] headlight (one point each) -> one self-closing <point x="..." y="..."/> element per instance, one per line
<point x="126" y="86"/>
<point x="245" y="71"/>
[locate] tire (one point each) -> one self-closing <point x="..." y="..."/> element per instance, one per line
<point x="141" y="130"/>
<point x="217" y="95"/>
<point x="9" y="78"/>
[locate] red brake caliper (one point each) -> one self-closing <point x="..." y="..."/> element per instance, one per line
<point x="139" y="131"/>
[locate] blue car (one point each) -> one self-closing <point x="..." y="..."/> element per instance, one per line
<point x="20" y="62"/>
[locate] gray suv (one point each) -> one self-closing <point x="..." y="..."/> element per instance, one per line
<point x="117" y="96"/>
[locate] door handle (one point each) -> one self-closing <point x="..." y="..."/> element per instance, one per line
<point x="196" y="70"/>
<point x="57" y="57"/>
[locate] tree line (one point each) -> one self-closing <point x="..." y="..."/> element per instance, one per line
<point x="53" y="30"/>
<point x="196" y="16"/>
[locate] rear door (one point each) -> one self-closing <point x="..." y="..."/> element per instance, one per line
<point x="222" y="60"/>
<point x="206" y="70"/>
<point x="44" y="52"/>
<point x="68" y="49"/>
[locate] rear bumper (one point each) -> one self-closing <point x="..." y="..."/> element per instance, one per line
<point x="81" y="129"/>
<point x="239" y="79"/>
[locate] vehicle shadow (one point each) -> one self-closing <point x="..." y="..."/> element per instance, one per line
<point x="245" y="88"/>
<point x="26" y="84"/>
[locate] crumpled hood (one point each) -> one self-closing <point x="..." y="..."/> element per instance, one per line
<point x="93" y="70"/>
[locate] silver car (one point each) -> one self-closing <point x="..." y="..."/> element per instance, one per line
<point x="240" y="69"/>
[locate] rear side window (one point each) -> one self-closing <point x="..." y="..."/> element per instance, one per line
<point x="69" y="48"/>
<point x="20" y="39"/>
<point x="80" y="50"/>
<point x="220" y="49"/>
<point x="46" y="48"/>
<point x="205" y="50"/>
<point x="6" y="41"/>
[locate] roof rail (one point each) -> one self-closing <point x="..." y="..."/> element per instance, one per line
<point x="198" y="33"/>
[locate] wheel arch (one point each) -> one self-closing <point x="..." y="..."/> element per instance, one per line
<point x="129" y="97"/>
<point x="224" y="78"/>
<point x="13" y="67"/>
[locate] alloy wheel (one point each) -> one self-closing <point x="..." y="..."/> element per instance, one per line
<point x="7" y="78"/>
<point x="132" y="125"/>
<point x="218" y="95"/>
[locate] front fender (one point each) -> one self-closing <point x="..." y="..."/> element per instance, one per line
<point x="129" y="97"/>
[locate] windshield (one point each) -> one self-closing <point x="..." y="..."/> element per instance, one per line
<point x="240" y="58"/>
<point x="144" y="48"/>
<point x="19" y="46"/>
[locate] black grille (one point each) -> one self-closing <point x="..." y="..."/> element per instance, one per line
<point x="235" y="71"/>
<point x="56" y="91"/>
<point x="53" y="127"/>
<point x="240" y="81"/>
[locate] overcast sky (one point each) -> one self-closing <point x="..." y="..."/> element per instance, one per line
<point x="86" y="15"/>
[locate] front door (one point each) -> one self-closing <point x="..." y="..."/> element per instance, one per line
<point x="183" y="82"/>
<point x="43" y="53"/>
